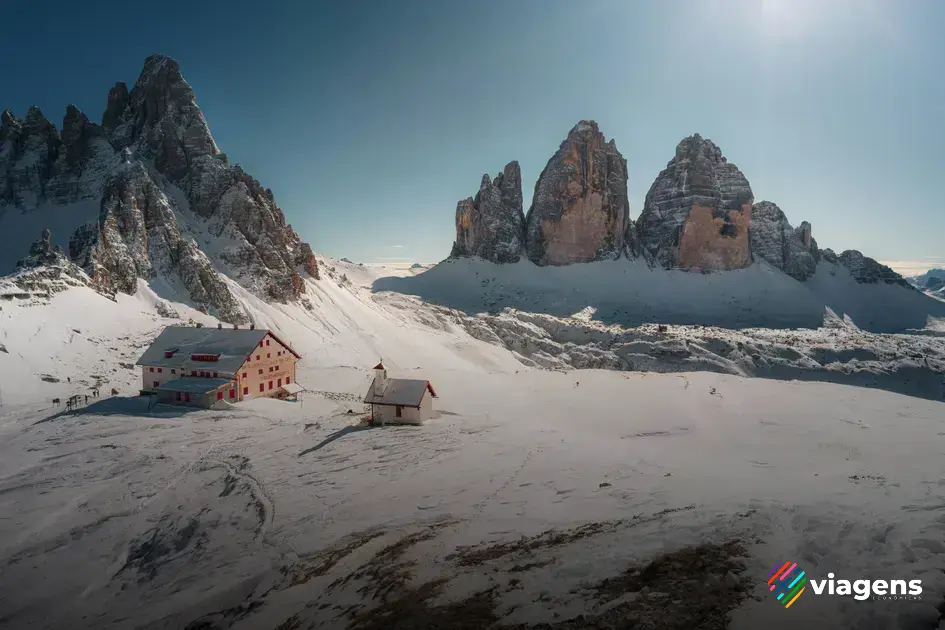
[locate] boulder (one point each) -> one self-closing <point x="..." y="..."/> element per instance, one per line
<point x="490" y="225"/>
<point x="696" y="214"/>
<point x="580" y="211"/>
<point x="774" y="240"/>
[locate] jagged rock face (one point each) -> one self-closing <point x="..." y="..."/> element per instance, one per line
<point x="933" y="283"/>
<point x="28" y="150"/>
<point x="137" y="236"/>
<point x="774" y="240"/>
<point x="83" y="161"/>
<point x="580" y="210"/>
<point x="696" y="213"/>
<point x="160" y="117"/>
<point x="867" y="270"/>
<point x="150" y="137"/>
<point x="490" y="225"/>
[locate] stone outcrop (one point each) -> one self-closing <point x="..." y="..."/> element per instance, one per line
<point x="153" y="142"/>
<point x="491" y="225"/>
<point x="579" y="211"/>
<point x="868" y="271"/>
<point x="774" y="240"/>
<point x="46" y="269"/>
<point x="696" y="213"/>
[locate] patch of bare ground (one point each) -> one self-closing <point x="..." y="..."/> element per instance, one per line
<point x="388" y="571"/>
<point x="694" y="588"/>
<point x="476" y="555"/>
<point x="318" y="564"/>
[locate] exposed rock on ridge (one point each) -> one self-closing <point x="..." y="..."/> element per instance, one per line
<point x="46" y="269"/>
<point x="868" y="271"/>
<point x="772" y="239"/>
<point x="696" y="213"/>
<point x="491" y="224"/>
<point x="579" y="211"/>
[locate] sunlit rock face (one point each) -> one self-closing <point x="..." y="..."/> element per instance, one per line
<point x="696" y="213"/>
<point x="579" y="211"/>
<point x="792" y="250"/>
<point x="489" y="225"/>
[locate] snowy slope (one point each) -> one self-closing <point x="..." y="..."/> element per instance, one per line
<point x="630" y="293"/>
<point x="274" y="513"/>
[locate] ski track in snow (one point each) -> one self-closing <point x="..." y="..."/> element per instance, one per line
<point x="270" y="513"/>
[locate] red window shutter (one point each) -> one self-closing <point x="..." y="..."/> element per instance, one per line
<point x="262" y="387"/>
<point x="219" y="395"/>
<point x="268" y="355"/>
<point x="270" y="384"/>
<point x="186" y="396"/>
<point x="279" y="384"/>
<point x="193" y="372"/>
<point x="214" y="375"/>
<point x="257" y="357"/>
<point x="245" y="391"/>
<point x="286" y="380"/>
<point x="244" y="374"/>
<point x="267" y="342"/>
<point x="232" y="393"/>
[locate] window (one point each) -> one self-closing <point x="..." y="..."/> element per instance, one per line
<point x="156" y="383"/>
<point x="160" y="370"/>
<point x="279" y="384"/>
<point x="257" y="357"/>
<point x="246" y="391"/>
<point x="267" y="342"/>
<point x="232" y="393"/>
<point x="214" y="375"/>
<point x="173" y="371"/>
<point x="244" y="374"/>
<point x="262" y="387"/>
<point x="270" y="384"/>
<point x="268" y="355"/>
<point x="150" y="369"/>
<point x="260" y="370"/>
<point x="399" y="411"/>
<point x="193" y="372"/>
<point x="286" y="380"/>
<point x="219" y="395"/>
<point x="270" y="368"/>
<point x="186" y="396"/>
<point x="178" y="396"/>
<point x="277" y="368"/>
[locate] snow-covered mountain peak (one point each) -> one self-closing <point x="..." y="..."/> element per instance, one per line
<point x="148" y="195"/>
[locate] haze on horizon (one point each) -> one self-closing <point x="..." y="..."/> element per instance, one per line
<point x="370" y="121"/>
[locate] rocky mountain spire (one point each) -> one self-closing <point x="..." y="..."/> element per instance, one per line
<point x="490" y="225"/>
<point x="696" y="213"/>
<point x="772" y="239"/>
<point x="580" y="210"/>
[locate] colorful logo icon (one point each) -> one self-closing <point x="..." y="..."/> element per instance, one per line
<point x="787" y="582"/>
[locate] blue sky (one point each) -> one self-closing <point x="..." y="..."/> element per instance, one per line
<point x="369" y="120"/>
